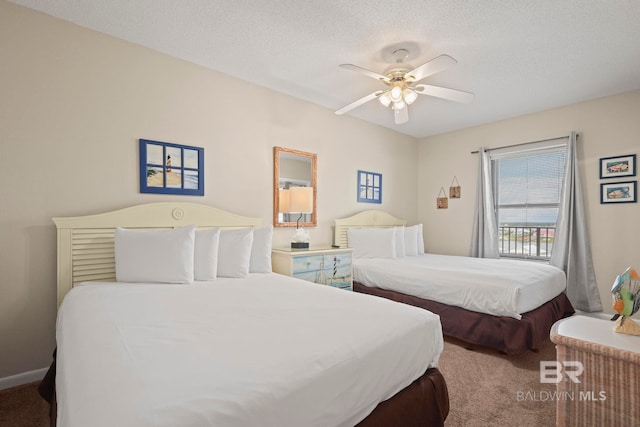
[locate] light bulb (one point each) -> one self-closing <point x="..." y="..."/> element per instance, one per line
<point x="409" y="96"/>
<point x="399" y="105"/>
<point x="396" y="94"/>
<point x="384" y="99"/>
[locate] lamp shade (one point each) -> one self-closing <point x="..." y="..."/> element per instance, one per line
<point x="395" y="93"/>
<point x="409" y="95"/>
<point x="284" y="201"/>
<point x="301" y="199"/>
<point x="385" y="99"/>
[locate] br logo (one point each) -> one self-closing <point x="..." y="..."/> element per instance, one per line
<point x="551" y="371"/>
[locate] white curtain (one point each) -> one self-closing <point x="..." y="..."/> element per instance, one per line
<point x="571" y="248"/>
<point x="484" y="242"/>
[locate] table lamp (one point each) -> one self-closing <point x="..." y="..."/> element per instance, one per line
<point x="300" y="200"/>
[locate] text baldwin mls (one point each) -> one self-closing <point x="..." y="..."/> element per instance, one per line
<point x="546" y="396"/>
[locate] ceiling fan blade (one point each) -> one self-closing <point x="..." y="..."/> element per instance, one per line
<point x="445" y="93"/>
<point x="401" y="115"/>
<point x="366" y="72"/>
<point x="427" y="69"/>
<point x="359" y="102"/>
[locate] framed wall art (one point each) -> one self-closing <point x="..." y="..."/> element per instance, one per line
<point x="454" y="190"/>
<point x="167" y="168"/>
<point x="619" y="166"/>
<point x="369" y="187"/>
<point x="442" y="202"/>
<point x="618" y="192"/>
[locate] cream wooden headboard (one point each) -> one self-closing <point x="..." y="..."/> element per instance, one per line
<point x="370" y="218"/>
<point x="86" y="243"/>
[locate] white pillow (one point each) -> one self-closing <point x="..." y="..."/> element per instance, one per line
<point x="205" y="258"/>
<point x="372" y="242"/>
<point x="411" y="240"/>
<point x="400" y="239"/>
<point x="234" y="252"/>
<point x="261" y="250"/>
<point x="420" y="240"/>
<point x="155" y="256"/>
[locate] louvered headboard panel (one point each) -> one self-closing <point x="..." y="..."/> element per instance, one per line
<point x="364" y="219"/>
<point x="92" y="254"/>
<point x="86" y="243"/>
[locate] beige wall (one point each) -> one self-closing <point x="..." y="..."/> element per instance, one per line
<point x="74" y="104"/>
<point x="607" y="127"/>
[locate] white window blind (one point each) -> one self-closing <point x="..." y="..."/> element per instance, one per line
<point x="527" y="185"/>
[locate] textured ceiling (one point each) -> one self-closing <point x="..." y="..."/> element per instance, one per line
<point x="517" y="56"/>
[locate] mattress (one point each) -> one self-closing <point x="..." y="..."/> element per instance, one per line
<point x="499" y="287"/>
<point x="265" y="350"/>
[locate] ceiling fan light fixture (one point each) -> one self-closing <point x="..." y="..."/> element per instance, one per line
<point x="385" y="99"/>
<point x="396" y="94"/>
<point x="399" y="105"/>
<point x="409" y="95"/>
<point x="402" y="89"/>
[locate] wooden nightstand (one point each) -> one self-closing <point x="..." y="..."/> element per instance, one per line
<point x="609" y="385"/>
<point x="325" y="266"/>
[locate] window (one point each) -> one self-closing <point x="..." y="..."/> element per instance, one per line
<point x="527" y="185"/>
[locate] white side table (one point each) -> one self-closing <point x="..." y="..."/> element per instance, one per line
<point x="608" y="391"/>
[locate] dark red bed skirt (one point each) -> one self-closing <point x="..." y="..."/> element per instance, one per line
<point x="425" y="402"/>
<point x="509" y="335"/>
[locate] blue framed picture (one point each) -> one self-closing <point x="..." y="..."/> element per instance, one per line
<point x="167" y="168"/>
<point x="614" y="167"/>
<point x="369" y="187"/>
<point x="618" y="192"/>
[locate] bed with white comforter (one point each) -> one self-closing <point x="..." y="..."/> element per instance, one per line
<point x="170" y="315"/>
<point x="264" y="350"/>
<point x="506" y="304"/>
<point x="500" y="287"/>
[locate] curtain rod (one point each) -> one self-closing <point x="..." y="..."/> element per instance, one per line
<point x="525" y="143"/>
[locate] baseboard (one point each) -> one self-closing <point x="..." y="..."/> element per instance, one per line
<point x="23" y="378"/>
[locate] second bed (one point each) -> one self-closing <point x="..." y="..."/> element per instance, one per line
<point x="506" y="304"/>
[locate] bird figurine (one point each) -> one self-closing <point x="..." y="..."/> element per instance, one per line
<point x="626" y="301"/>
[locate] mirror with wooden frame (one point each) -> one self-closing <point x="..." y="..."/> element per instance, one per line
<point x="291" y="169"/>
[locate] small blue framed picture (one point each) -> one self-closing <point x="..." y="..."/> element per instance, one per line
<point x="167" y="168"/>
<point x="618" y="166"/>
<point x="618" y="192"/>
<point x="369" y="187"/>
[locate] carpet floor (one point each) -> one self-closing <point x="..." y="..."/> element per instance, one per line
<point x="22" y="406"/>
<point x="486" y="388"/>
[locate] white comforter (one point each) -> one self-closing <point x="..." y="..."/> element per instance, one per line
<point x="500" y="287"/>
<point x="268" y="350"/>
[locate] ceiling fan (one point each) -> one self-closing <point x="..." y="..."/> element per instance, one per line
<point x="402" y="89"/>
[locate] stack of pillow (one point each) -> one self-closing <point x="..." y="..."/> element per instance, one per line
<point x="184" y="254"/>
<point x="389" y="242"/>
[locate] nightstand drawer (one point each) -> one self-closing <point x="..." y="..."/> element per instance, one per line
<point x="310" y="276"/>
<point x="342" y="284"/>
<point x="303" y="264"/>
<point x="330" y="267"/>
<point x="338" y="265"/>
<point x="337" y="271"/>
